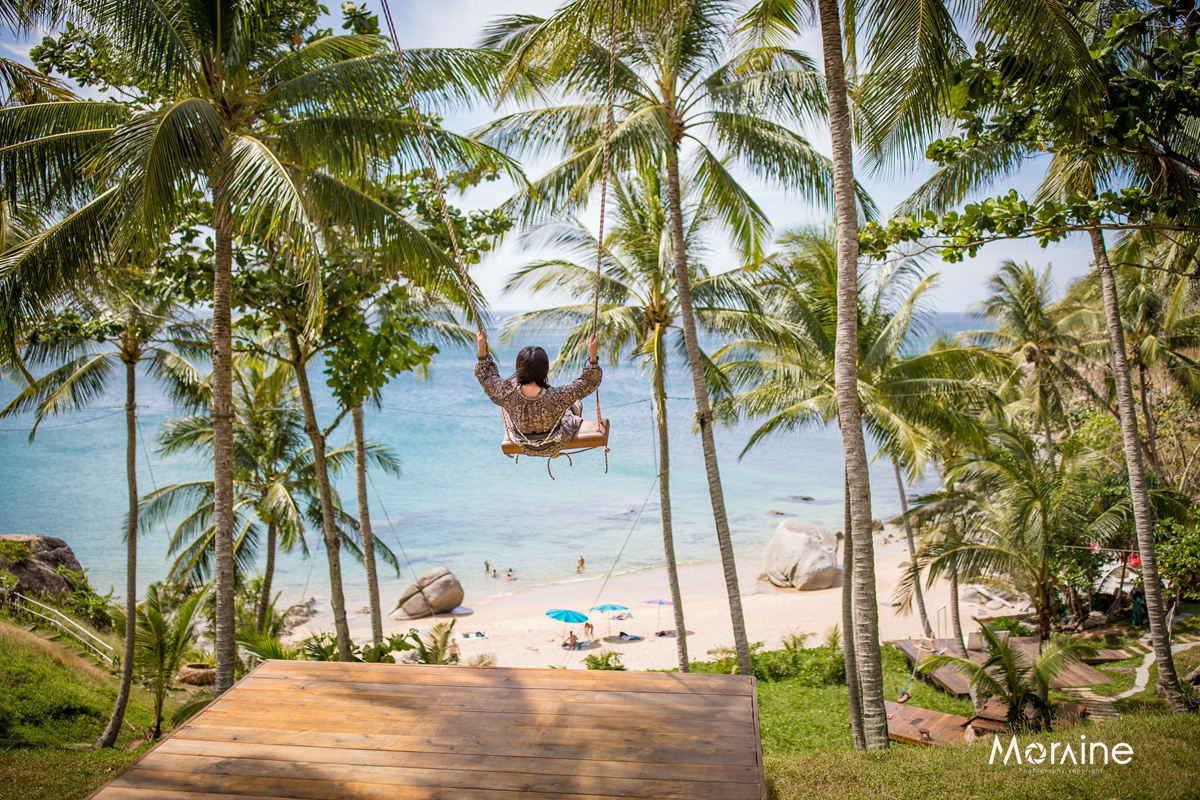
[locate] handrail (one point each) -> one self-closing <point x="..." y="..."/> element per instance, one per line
<point x="59" y="618"/>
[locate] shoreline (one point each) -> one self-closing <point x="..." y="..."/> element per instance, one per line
<point x="521" y="635"/>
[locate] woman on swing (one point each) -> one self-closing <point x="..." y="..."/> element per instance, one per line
<point x="545" y="418"/>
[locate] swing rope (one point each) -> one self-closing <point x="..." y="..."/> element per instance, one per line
<point x="608" y="124"/>
<point x="604" y="167"/>
<point x="437" y="181"/>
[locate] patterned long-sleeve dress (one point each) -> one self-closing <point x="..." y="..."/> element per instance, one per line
<point x="545" y="424"/>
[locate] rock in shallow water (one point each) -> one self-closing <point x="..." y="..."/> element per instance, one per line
<point x="800" y="556"/>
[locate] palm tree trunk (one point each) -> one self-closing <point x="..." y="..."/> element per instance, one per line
<point x="364" y="523"/>
<point x="704" y="413"/>
<point x="222" y="422"/>
<point x="264" y="600"/>
<point x="113" y="729"/>
<point x="956" y="632"/>
<point x="866" y="609"/>
<point x="853" y="690"/>
<point x="1049" y="442"/>
<point x="329" y="527"/>
<point x="1142" y="514"/>
<point x="664" y="500"/>
<point x="1151" y="428"/>
<point x="912" y="553"/>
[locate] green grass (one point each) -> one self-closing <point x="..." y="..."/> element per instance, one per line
<point x="50" y="695"/>
<point x="795" y="718"/>
<point x="51" y="774"/>
<point x="54" y="697"/>
<point x="1165" y="763"/>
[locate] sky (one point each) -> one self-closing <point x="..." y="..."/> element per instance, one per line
<point x="457" y="23"/>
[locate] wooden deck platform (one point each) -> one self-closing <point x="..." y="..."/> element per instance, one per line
<point x="955" y="682"/>
<point x="905" y="724"/>
<point x="327" y="731"/>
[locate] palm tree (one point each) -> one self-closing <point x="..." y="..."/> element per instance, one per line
<point x="1024" y="507"/>
<point x="787" y="365"/>
<point x="139" y="329"/>
<point x="277" y="128"/>
<point x="1041" y="337"/>
<point x="1007" y="674"/>
<point x="684" y="82"/>
<point x="163" y="639"/>
<point x="274" y="481"/>
<point x="1161" y="330"/>
<point x="20" y="85"/>
<point x="639" y="307"/>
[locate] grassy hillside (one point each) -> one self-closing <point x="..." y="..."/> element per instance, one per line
<point x="52" y="696"/>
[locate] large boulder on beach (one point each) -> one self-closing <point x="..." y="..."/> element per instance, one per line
<point x="800" y="556"/>
<point x="35" y="561"/>
<point x="435" y="592"/>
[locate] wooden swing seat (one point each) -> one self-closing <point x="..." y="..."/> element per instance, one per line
<point x="593" y="433"/>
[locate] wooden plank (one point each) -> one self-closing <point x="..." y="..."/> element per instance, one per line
<point x="905" y="723"/>
<point x="463" y="744"/>
<point x="625" y="698"/>
<point x="758" y="751"/>
<point x="371" y="756"/>
<point x="301" y="787"/>
<point x="553" y="742"/>
<point x="316" y="718"/>
<point x="1107" y="657"/>
<point x="235" y="770"/>
<point x="458" y="701"/>
<point x="573" y="680"/>
<point x="377" y="713"/>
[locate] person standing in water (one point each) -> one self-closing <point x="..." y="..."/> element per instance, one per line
<point x="487" y="565"/>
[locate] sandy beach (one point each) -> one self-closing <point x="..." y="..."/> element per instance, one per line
<point x="521" y="635"/>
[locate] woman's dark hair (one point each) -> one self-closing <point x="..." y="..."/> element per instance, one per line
<point x="533" y="366"/>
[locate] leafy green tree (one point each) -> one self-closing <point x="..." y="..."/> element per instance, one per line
<point x="638" y="306"/>
<point x="277" y="121"/>
<point x="1119" y="126"/>
<point x="89" y="344"/>
<point x="687" y="87"/>
<point x="1006" y="674"/>
<point x="381" y="341"/>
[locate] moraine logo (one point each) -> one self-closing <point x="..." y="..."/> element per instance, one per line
<point x="1082" y="754"/>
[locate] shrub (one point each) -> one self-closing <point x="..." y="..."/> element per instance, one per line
<point x="85" y="601"/>
<point x="13" y="553"/>
<point x="605" y="659"/>
<point x="1013" y="625"/>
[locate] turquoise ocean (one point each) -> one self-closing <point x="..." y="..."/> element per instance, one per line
<point x="460" y="500"/>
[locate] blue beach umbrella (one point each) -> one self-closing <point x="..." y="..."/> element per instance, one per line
<point x="564" y="616"/>
<point x="660" y="604"/>
<point x="610" y="607"/>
